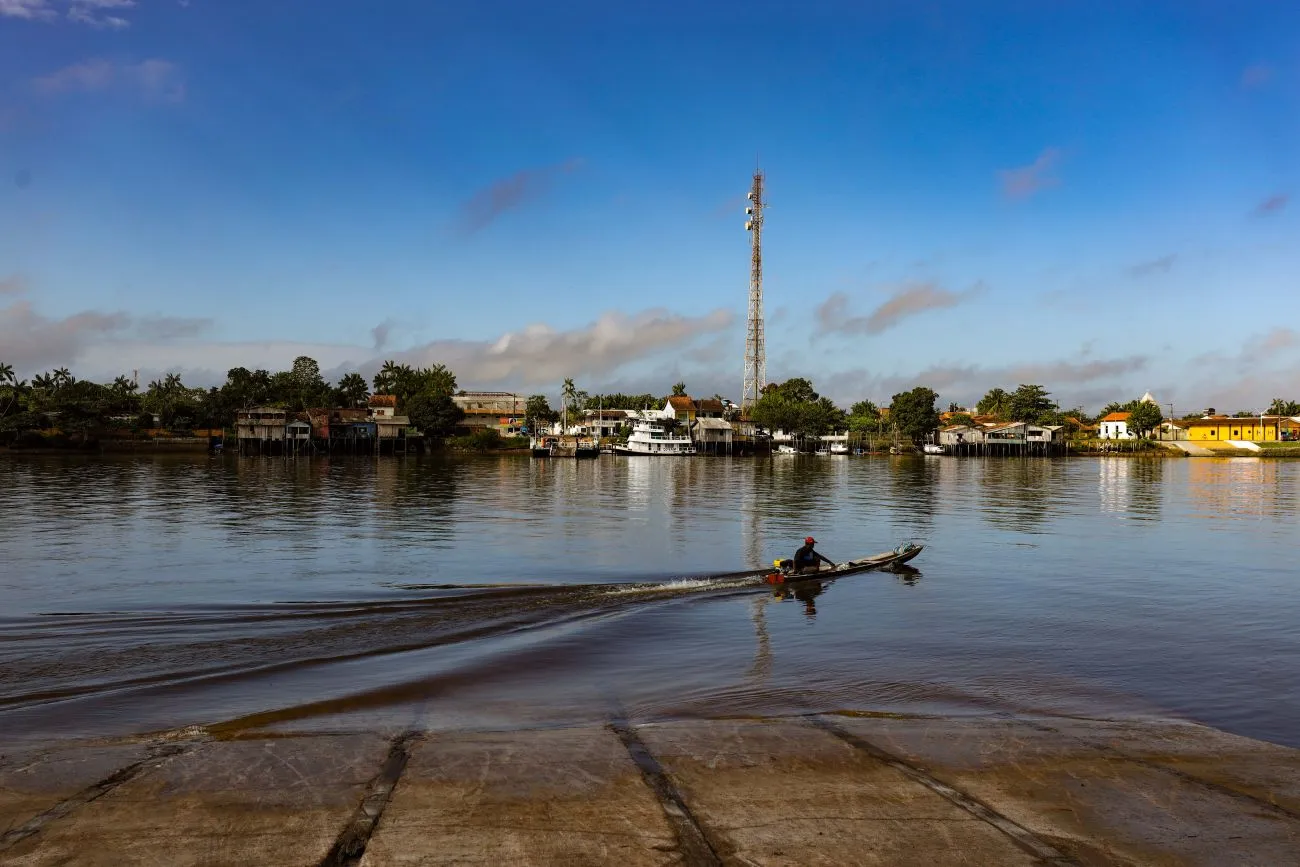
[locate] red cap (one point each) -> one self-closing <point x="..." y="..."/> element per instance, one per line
<point x="810" y="541"/>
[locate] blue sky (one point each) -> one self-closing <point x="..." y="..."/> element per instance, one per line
<point x="1099" y="197"/>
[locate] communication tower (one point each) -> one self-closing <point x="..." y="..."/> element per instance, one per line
<point x="755" y="346"/>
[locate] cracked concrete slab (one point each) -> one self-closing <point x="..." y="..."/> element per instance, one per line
<point x="279" y="801"/>
<point x="1107" y="793"/>
<point x="784" y="792"/>
<point x="570" y="797"/>
<point x="831" y="789"/>
<point x="33" y="779"/>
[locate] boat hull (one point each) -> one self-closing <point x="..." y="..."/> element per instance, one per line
<point x="883" y="561"/>
<point x="623" y="450"/>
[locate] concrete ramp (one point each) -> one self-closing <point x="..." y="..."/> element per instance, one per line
<point x="1244" y="444"/>
<point x="1190" y="448"/>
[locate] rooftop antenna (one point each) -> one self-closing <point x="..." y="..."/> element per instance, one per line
<point x="755" y="345"/>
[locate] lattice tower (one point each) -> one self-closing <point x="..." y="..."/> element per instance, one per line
<point x="755" y="345"/>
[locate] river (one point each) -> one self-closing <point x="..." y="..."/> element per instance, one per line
<point x="143" y="594"/>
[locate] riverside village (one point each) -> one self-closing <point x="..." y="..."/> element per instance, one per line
<point x="404" y="409"/>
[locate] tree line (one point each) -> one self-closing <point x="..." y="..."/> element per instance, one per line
<point x="82" y="408"/>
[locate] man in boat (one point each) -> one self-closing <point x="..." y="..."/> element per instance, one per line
<point x="808" y="559"/>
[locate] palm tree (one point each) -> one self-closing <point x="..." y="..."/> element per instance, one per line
<point x="10" y="388"/>
<point x="996" y="402"/>
<point x="569" y="394"/>
<point x="352" y="388"/>
<point x="63" y="377"/>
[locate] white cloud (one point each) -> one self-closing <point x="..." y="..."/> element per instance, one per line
<point x="154" y="79"/>
<point x="1025" y="181"/>
<point x="99" y="345"/>
<point x="14" y="284"/>
<point x="506" y="194"/>
<point x="32" y="10"/>
<point x="539" y="355"/>
<point x="31" y="341"/>
<point x="94" y="13"/>
<point x="833" y="313"/>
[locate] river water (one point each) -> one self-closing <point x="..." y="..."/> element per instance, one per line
<point x="142" y="594"/>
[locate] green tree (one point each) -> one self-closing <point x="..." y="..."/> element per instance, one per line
<point x="404" y="381"/>
<point x="352" y="390"/>
<point x="309" y="389"/>
<point x="385" y="381"/>
<point x="995" y="403"/>
<point x="170" y="400"/>
<point x="829" y="418"/>
<point x="865" y="417"/>
<point x="798" y="390"/>
<point x="621" y="401"/>
<point x="1144" y="417"/>
<point x="960" y="418"/>
<point x="679" y="389"/>
<point x="568" y="398"/>
<point x="537" y="412"/>
<point x="11" y="390"/>
<point x="1030" y="403"/>
<point x="82" y="407"/>
<point x="1284" y="407"/>
<point x="913" y="413"/>
<point x="434" y="413"/>
<point x="795" y="407"/>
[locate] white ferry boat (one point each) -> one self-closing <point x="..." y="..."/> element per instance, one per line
<point x="652" y="438"/>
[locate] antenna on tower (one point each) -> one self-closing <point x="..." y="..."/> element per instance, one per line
<point x="755" y="347"/>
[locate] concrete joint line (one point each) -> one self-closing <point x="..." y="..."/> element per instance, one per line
<point x="1117" y="755"/>
<point x="692" y="841"/>
<point x="355" y="836"/>
<point x="1021" y="836"/>
<point x="92" y="792"/>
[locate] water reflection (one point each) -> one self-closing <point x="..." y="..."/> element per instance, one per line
<point x="805" y="591"/>
<point x="1131" y="487"/>
<point x="1019" y="493"/>
<point x="1241" y="487"/>
<point x="914" y="483"/>
<point x="359" y="582"/>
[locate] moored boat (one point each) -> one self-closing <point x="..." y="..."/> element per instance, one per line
<point x="652" y="437"/>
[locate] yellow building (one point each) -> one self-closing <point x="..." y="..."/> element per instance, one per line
<point x="1220" y="428"/>
<point x="680" y="407"/>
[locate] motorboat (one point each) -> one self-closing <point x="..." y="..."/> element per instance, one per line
<point x="652" y="437"/>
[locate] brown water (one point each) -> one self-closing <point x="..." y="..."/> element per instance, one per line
<point x="153" y="593"/>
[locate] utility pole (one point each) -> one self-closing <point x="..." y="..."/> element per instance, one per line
<point x="755" y="345"/>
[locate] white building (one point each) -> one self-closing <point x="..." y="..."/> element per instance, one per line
<point x="1114" y="427"/>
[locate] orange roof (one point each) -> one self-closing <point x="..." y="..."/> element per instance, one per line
<point x="1116" y="416"/>
<point x="384" y="400"/>
<point x="710" y="404"/>
<point x="681" y="403"/>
